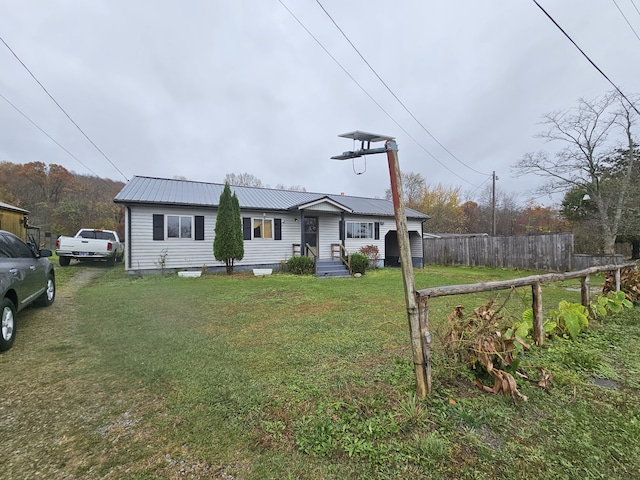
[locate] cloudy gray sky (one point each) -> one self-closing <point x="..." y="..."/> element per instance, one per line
<point x="202" y="88"/>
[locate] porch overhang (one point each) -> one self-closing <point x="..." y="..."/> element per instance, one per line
<point x="322" y="201"/>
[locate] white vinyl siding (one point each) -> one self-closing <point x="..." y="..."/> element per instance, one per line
<point x="146" y="253"/>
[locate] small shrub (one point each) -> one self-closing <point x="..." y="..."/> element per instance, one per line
<point x="359" y="262"/>
<point x="301" y="265"/>
<point x="373" y="253"/>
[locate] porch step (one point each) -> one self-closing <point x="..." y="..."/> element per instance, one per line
<point x="331" y="268"/>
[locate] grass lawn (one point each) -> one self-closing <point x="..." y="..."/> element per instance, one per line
<point x="281" y="377"/>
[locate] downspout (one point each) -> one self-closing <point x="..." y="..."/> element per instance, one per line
<point x="302" y="247"/>
<point x="422" y="241"/>
<point x="128" y="245"/>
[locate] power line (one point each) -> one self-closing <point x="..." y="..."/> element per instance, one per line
<point x="63" y="110"/>
<point x="626" y="19"/>
<point x="392" y="92"/>
<point x="634" y="6"/>
<point x="369" y="95"/>
<point x="587" y="57"/>
<point x="50" y="137"/>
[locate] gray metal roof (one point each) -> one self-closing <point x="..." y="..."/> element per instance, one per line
<point x="6" y="206"/>
<point x="149" y="190"/>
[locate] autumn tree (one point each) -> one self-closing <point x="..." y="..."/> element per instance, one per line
<point x="471" y="217"/>
<point x="443" y="204"/>
<point x="228" y="244"/>
<point x="590" y="134"/>
<point x="413" y="185"/>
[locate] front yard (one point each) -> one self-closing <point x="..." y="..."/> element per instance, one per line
<point x="298" y="377"/>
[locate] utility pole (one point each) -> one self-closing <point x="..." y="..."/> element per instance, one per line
<point x="493" y="205"/>
<point x="423" y="380"/>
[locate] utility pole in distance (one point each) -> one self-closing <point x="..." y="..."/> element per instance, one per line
<point x="493" y="205"/>
<point x="423" y="380"/>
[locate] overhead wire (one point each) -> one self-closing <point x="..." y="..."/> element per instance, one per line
<point x="45" y="133"/>
<point x="369" y="95"/>
<point x="62" y="109"/>
<point x="587" y="57"/>
<point x="393" y="93"/>
<point x="626" y="19"/>
<point x="634" y="6"/>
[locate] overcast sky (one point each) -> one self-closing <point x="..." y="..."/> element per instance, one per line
<point x="202" y="88"/>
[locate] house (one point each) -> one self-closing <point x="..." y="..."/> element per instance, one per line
<point x="14" y="220"/>
<point x="170" y="224"/>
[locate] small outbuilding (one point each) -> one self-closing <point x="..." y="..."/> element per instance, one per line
<point x="14" y="220"/>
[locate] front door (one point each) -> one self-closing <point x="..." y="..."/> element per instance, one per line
<point x="311" y="235"/>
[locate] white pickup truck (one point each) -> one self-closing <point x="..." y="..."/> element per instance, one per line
<point x="90" y="244"/>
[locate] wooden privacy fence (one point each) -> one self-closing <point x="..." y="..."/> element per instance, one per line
<point x="548" y="252"/>
<point x="535" y="281"/>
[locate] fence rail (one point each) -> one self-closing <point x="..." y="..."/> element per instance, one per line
<point x="535" y="281"/>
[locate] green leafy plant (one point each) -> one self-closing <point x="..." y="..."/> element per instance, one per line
<point x="614" y="302"/>
<point x="524" y="328"/>
<point x="359" y="262"/>
<point x="570" y="318"/>
<point x="301" y="265"/>
<point x="629" y="284"/>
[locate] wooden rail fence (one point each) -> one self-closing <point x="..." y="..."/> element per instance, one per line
<point x="535" y="281"/>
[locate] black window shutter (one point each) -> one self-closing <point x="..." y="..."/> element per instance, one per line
<point x="376" y="227"/>
<point x="277" y="229"/>
<point x="158" y="227"/>
<point x="341" y="229"/>
<point x="246" y="228"/>
<point x="199" y="227"/>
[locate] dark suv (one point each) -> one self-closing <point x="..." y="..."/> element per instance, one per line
<point x="25" y="278"/>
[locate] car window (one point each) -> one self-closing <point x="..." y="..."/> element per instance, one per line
<point x="5" y="250"/>
<point x="18" y="248"/>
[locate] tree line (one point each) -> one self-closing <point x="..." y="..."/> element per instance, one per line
<point x="60" y="201"/>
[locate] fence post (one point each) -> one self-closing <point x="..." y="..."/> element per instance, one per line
<point x="538" y="327"/>
<point x="617" y="274"/>
<point x="425" y="335"/>
<point x="585" y="290"/>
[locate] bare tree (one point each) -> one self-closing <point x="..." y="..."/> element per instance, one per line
<point x="292" y="188"/>
<point x="242" y="180"/>
<point x="586" y="157"/>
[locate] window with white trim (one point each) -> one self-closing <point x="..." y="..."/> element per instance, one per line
<point x="263" y="228"/>
<point x="179" y="226"/>
<point x="360" y="230"/>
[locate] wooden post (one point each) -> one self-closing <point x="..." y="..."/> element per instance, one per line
<point x="407" y="268"/>
<point x="538" y="327"/>
<point x="585" y="290"/>
<point x="425" y="335"/>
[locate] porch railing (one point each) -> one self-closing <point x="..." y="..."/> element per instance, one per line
<point x="338" y="250"/>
